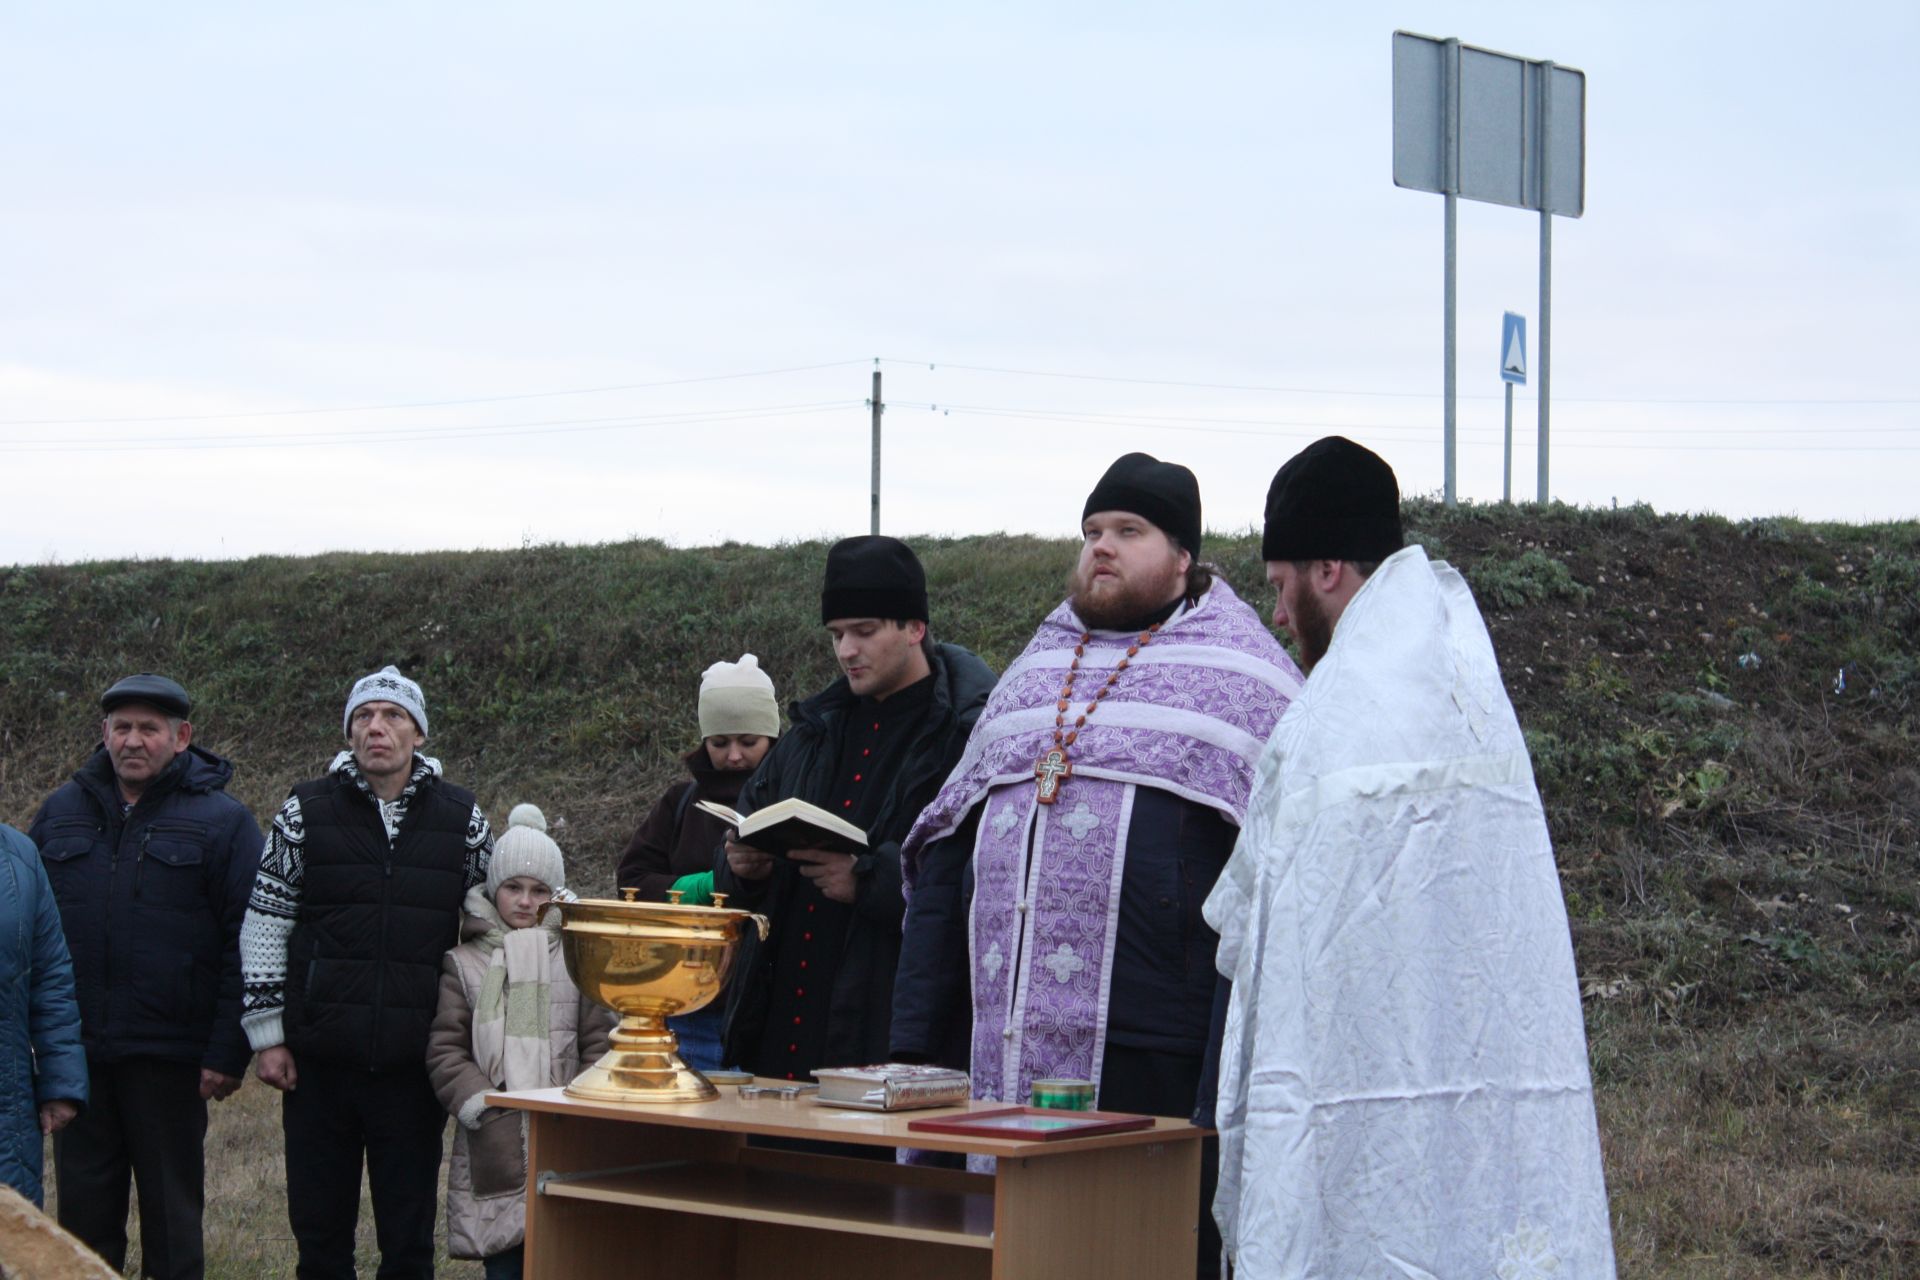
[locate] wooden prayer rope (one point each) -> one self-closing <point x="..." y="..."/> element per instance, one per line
<point x="1053" y="767"/>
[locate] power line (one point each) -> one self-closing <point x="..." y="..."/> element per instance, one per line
<point x="931" y="365"/>
<point x="401" y="406"/>
<point x="1119" y="418"/>
<point x="426" y="432"/>
<point x="1668" y="438"/>
<point x="1255" y="427"/>
<point x="305" y="440"/>
<point x="424" y="404"/>
<point x="1295" y="431"/>
<point x="1258" y="427"/>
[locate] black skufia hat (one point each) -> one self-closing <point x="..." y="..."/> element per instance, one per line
<point x="873" y="577"/>
<point x="1334" y="500"/>
<point x="1164" y="492"/>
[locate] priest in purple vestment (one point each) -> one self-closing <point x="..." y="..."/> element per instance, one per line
<point x="1053" y="921"/>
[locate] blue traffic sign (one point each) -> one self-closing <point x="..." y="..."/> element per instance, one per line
<point x="1513" y="348"/>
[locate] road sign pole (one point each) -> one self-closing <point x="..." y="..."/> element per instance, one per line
<point x="1546" y="265"/>
<point x="1450" y="147"/>
<point x="1443" y="89"/>
<point x="1546" y="337"/>
<point x="1447" y="345"/>
<point x="1506" y="472"/>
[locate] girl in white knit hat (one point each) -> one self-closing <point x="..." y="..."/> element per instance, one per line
<point x="675" y="845"/>
<point x="509" y="1018"/>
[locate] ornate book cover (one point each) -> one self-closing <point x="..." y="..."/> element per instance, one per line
<point x="892" y="1086"/>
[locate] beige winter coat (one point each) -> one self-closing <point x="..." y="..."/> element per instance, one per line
<point x="487" y="1176"/>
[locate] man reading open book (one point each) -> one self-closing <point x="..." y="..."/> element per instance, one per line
<point x="872" y="749"/>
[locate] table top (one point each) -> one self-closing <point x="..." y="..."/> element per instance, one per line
<point x="805" y="1119"/>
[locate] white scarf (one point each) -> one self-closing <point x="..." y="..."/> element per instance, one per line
<point x="512" y="1040"/>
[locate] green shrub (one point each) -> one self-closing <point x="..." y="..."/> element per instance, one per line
<point x="1529" y="578"/>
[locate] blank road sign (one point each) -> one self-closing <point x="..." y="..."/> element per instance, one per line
<point x="1498" y="147"/>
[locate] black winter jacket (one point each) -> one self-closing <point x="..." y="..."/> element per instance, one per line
<point x="151" y="906"/>
<point x="802" y="765"/>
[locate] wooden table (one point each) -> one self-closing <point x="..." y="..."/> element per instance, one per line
<point x="618" y="1190"/>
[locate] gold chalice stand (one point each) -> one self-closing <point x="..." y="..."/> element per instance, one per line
<point x="648" y="961"/>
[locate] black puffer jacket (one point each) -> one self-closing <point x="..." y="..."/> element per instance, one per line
<point x="151" y="905"/>
<point x="363" y="963"/>
<point x="802" y="764"/>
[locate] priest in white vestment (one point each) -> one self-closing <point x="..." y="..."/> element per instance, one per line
<point x="1404" y="1089"/>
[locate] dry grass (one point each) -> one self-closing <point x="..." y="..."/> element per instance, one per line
<point x="1724" y="1160"/>
<point x="247" y="1236"/>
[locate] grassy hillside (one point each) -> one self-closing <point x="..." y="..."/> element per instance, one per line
<point x="1723" y="721"/>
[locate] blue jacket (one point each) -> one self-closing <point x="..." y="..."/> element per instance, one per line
<point x="152" y="904"/>
<point x="40" y="1054"/>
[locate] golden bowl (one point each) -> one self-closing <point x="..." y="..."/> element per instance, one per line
<point x="648" y="961"/>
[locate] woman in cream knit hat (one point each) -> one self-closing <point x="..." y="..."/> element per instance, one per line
<point x="675" y="844"/>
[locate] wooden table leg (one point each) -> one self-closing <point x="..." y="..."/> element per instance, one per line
<point x="1099" y="1215"/>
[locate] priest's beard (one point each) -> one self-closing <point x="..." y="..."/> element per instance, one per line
<point x="1124" y="604"/>
<point x="1311" y="626"/>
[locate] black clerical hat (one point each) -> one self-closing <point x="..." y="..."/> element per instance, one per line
<point x="874" y="577"/>
<point x="1334" y="500"/>
<point x="1164" y="492"/>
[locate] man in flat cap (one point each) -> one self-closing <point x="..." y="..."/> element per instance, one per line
<point x="1098" y="799"/>
<point x="1403" y="1080"/>
<point x="872" y="747"/>
<point x="151" y="862"/>
<point x="357" y="899"/>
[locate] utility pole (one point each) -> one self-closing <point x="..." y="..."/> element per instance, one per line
<point x="878" y="407"/>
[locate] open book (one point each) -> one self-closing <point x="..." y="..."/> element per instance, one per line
<point x="790" y="824"/>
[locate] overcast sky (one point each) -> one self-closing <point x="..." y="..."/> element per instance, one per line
<point x="435" y="275"/>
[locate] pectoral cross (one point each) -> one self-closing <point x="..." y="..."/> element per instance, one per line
<point x="1052" y="769"/>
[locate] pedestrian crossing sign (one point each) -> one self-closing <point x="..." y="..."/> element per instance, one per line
<point x="1513" y="348"/>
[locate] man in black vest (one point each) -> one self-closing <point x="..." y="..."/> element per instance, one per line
<point x="357" y="899"/>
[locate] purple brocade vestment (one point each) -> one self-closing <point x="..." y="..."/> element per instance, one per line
<point x="1189" y="715"/>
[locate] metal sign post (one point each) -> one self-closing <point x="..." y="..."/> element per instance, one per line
<point x="1492" y="127"/>
<point x="1513" y="368"/>
<point x="1546" y="269"/>
<point x="1450" y="292"/>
